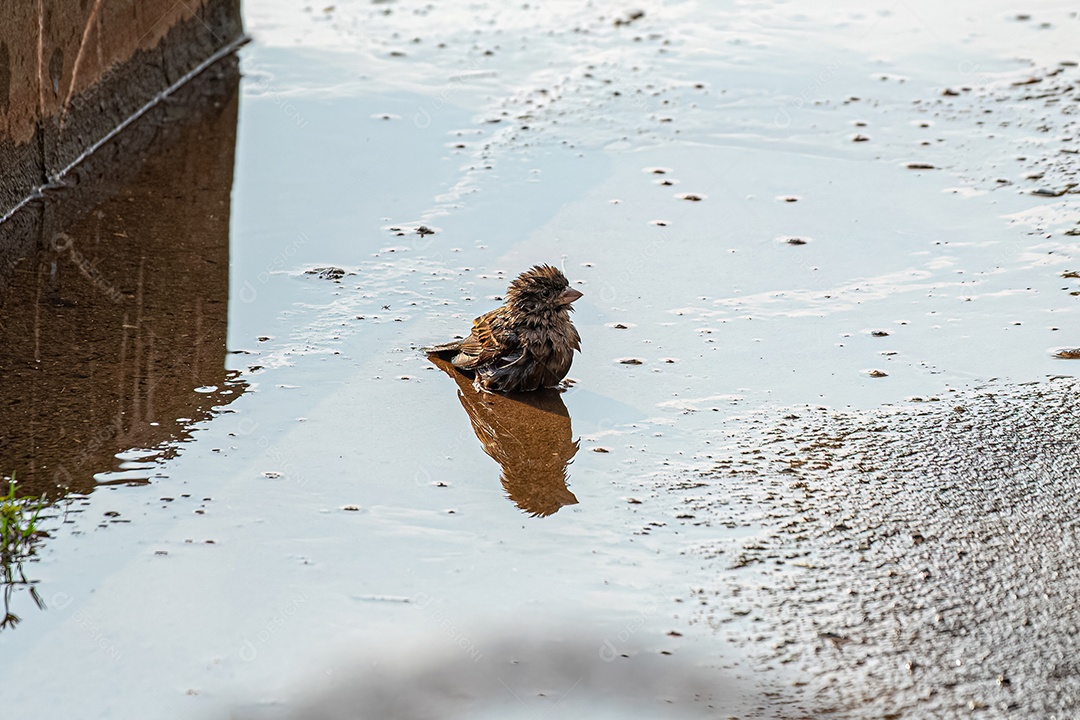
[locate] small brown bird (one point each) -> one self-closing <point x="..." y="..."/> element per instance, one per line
<point x="526" y="344"/>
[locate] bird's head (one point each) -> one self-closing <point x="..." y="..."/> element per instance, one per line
<point x="542" y="288"/>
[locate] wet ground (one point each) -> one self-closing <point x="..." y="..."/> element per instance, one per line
<point x="823" y="253"/>
<point x="913" y="561"/>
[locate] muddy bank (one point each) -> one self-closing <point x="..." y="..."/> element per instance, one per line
<point x="914" y="561"/>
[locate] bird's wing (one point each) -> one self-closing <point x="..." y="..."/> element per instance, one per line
<point x="489" y="341"/>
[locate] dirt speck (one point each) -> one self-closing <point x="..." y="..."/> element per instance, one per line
<point x="1045" y="192"/>
<point x="328" y="273"/>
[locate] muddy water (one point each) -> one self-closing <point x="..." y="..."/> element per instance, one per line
<point x="346" y="512"/>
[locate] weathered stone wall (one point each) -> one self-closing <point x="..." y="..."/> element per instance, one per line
<point x="73" y="70"/>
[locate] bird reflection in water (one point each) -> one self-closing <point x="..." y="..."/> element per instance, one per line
<point x="528" y="434"/>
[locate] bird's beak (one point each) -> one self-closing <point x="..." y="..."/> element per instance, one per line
<point x="568" y="296"/>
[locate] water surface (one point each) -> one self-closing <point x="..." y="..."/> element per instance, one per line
<point x="343" y="512"/>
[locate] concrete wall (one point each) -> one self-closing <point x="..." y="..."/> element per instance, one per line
<point x="73" y="70"/>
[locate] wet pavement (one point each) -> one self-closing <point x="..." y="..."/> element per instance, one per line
<point x="773" y="210"/>
<point x="913" y="561"/>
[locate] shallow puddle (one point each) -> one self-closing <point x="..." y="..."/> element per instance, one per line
<point x="767" y="206"/>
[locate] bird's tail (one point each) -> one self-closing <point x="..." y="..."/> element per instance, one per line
<point x="450" y="347"/>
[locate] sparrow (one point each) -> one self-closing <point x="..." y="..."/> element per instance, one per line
<point x="526" y="344"/>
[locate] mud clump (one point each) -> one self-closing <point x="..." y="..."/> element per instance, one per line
<point x="630" y="17"/>
<point x="794" y="240"/>
<point x="328" y="273"/>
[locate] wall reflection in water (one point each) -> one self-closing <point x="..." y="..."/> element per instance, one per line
<point x="113" y="312"/>
<point x="114" y="297"/>
<point x="528" y="434"/>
